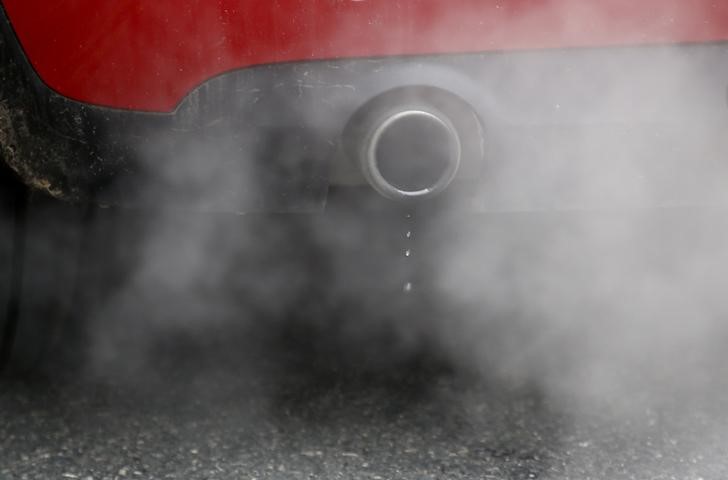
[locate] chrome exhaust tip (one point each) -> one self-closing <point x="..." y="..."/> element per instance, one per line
<point x="411" y="154"/>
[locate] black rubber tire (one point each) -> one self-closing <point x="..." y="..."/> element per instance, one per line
<point x="39" y="250"/>
<point x="12" y="212"/>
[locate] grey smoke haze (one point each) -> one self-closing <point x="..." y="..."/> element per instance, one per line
<point x="564" y="280"/>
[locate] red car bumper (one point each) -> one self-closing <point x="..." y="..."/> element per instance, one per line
<point x="272" y="128"/>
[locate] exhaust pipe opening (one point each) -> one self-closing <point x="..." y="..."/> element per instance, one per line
<point x="411" y="154"/>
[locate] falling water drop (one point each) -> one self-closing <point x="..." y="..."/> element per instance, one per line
<point x="407" y="287"/>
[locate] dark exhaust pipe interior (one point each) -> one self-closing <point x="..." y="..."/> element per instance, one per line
<point x="410" y="154"/>
<point x="411" y="144"/>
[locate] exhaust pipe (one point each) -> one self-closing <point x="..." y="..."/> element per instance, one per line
<point x="411" y="154"/>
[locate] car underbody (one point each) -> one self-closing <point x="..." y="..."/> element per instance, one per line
<point x="543" y="129"/>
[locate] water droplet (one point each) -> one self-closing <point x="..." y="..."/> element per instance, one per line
<point x="407" y="287"/>
<point x="408" y="234"/>
<point x="408" y="253"/>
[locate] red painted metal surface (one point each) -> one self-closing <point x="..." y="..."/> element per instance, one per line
<point x="147" y="55"/>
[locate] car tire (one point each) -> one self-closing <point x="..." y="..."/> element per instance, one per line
<point x="39" y="247"/>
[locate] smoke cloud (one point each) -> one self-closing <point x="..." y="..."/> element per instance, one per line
<point x="589" y="261"/>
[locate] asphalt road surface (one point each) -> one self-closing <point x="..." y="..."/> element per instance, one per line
<point x="272" y="407"/>
<point x="202" y="363"/>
